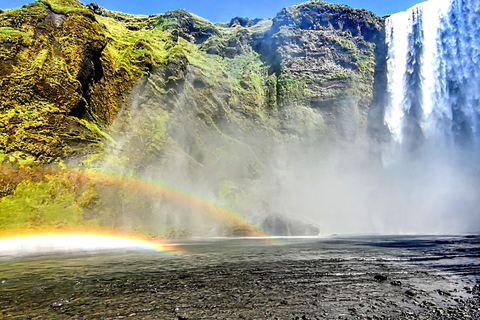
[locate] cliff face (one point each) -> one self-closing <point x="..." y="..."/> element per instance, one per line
<point x="177" y="96"/>
<point x="329" y="52"/>
<point x="52" y="75"/>
<point x="62" y="62"/>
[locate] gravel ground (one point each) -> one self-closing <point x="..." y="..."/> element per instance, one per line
<point x="332" y="280"/>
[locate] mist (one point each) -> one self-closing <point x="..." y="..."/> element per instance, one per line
<point x="312" y="177"/>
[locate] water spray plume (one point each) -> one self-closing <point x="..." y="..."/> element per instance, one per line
<point x="181" y="196"/>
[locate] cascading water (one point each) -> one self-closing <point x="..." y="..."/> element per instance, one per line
<point x="433" y="67"/>
<point x="428" y="184"/>
<point x="430" y="173"/>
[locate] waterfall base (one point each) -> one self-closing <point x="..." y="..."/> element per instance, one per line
<point x="338" y="278"/>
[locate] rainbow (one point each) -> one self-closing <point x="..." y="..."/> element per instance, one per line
<point x="182" y="196"/>
<point x="25" y="243"/>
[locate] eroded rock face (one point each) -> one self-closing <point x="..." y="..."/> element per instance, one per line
<point x="200" y="102"/>
<point x="329" y="51"/>
<point x="54" y="76"/>
<point x="51" y="53"/>
<point x="320" y="60"/>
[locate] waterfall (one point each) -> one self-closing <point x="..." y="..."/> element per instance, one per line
<point x="433" y="74"/>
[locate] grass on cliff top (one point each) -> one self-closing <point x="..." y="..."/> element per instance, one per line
<point x="68" y="7"/>
<point x="129" y="47"/>
<point x="297" y="10"/>
<point x="16" y="24"/>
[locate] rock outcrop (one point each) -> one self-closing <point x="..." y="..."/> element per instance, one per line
<point x="324" y="58"/>
<point x="178" y="96"/>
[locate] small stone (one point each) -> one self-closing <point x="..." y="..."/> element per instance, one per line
<point x="56" y="305"/>
<point x="380" y="277"/>
<point x="443" y="293"/>
<point x="411" y="293"/>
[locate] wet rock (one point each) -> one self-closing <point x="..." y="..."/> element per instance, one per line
<point x="380" y="277"/>
<point x="443" y="293"/>
<point x="281" y="225"/>
<point x="411" y="293"/>
<point x="428" y="304"/>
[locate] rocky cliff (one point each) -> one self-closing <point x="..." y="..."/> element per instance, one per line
<point x="175" y="96"/>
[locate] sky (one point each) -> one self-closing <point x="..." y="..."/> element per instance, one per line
<point x="224" y="10"/>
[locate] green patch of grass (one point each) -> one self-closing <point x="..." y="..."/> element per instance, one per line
<point x="134" y="50"/>
<point x="291" y="88"/>
<point x="342" y="75"/>
<point x="366" y="63"/>
<point x="8" y="34"/>
<point x="346" y="45"/>
<point x="163" y="24"/>
<point x="44" y="204"/>
<point x="68" y="7"/>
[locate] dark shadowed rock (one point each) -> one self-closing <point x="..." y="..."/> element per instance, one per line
<point x="411" y="293"/>
<point x="281" y="225"/>
<point x="380" y="277"/>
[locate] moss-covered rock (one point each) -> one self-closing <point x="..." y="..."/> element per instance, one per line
<point x="51" y="52"/>
<point x="172" y="96"/>
<point x="324" y="56"/>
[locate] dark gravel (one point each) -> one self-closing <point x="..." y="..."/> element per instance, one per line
<point x="244" y="280"/>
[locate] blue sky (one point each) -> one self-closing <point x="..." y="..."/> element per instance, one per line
<point x="224" y="10"/>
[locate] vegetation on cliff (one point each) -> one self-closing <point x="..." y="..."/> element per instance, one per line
<point x="91" y="87"/>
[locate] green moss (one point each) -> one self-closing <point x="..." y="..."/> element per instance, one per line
<point x="89" y="197"/>
<point x="158" y="127"/>
<point x="135" y="50"/>
<point x="25" y="161"/>
<point x="342" y="75"/>
<point x="346" y="45"/>
<point x="28" y="162"/>
<point x="366" y="63"/>
<point x="40" y="59"/>
<point x="96" y="131"/>
<point x="68" y="7"/>
<point x="8" y="34"/>
<point x="93" y="159"/>
<point x="45" y="204"/>
<point x="291" y="88"/>
<point x="8" y="31"/>
<point x="3" y="156"/>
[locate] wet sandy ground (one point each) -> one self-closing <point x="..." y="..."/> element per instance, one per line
<point x="351" y="278"/>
